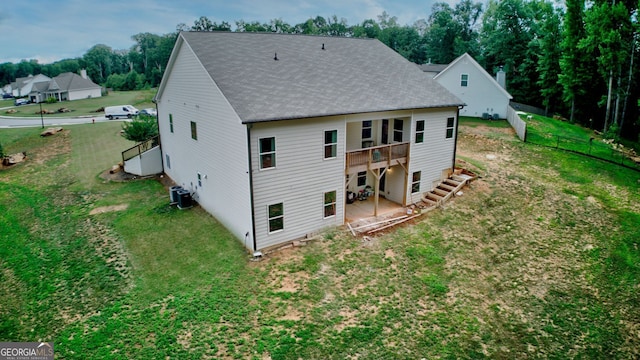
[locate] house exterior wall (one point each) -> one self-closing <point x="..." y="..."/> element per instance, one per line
<point x="147" y="163"/>
<point x="300" y="178"/>
<point x="435" y="155"/>
<point x="84" y="94"/>
<point x="481" y="94"/>
<point x="25" y="88"/>
<point x="215" y="166"/>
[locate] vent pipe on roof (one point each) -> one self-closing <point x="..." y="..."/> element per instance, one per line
<point x="275" y="57"/>
<point x="323" y="46"/>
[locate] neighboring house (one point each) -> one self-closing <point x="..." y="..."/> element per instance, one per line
<point x="25" y="85"/>
<point x="270" y="131"/>
<point x="66" y="86"/>
<point x="464" y="77"/>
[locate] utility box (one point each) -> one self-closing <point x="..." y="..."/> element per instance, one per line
<point x="184" y="199"/>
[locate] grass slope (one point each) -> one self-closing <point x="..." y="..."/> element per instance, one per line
<point x="539" y="259"/>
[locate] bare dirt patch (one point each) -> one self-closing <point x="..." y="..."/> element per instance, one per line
<point x="106" y="209"/>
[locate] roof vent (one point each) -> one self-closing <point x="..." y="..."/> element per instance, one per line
<point x="323" y="46"/>
<point x="275" y="57"/>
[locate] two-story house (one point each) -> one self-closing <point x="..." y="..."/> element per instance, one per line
<point x="270" y="131"/>
<point x="483" y="95"/>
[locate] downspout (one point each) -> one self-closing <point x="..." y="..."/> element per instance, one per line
<point x="455" y="143"/>
<point x="253" y="212"/>
<point x="155" y="101"/>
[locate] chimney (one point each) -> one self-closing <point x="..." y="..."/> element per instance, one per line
<point x="501" y="78"/>
<point x="83" y="73"/>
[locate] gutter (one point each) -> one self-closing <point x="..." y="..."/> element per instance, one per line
<point x="455" y="144"/>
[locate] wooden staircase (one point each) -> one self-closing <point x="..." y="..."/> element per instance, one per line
<point x="445" y="190"/>
<point x="430" y="201"/>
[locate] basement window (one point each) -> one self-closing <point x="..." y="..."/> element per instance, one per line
<point x="276" y="217"/>
<point x="329" y="204"/>
<point x="267" y="152"/>
<point x="415" y="182"/>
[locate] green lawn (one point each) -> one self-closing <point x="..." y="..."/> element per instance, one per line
<point x="538" y="259"/>
<point x="140" y="99"/>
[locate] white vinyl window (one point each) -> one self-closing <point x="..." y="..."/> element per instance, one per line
<point x="415" y="182"/>
<point x="419" y="131"/>
<point x="464" y="80"/>
<point x="329" y="204"/>
<point x="267" y="153"/>
<point x="451" y="122"/>
<point x="276" y="217"/>
<point x="330" y="144"/>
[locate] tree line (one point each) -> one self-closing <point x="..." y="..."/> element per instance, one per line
<point x="577" y="60"/>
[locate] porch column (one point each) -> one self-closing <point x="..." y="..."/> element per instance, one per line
<point x="376" y="194"/>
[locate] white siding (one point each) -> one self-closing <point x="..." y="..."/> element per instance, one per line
<point x="300" y="178"/>
<point x="147" y="163"/>
<point x="219" y="154"/>
<point x="84" y="94"/>
<point x="433" y="156"/>
<point x="481" y="94"/>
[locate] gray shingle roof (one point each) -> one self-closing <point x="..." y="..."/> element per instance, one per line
<point x="349" y="76"/>
<point x="71" y="81"/>
<point x="433" y="68"/>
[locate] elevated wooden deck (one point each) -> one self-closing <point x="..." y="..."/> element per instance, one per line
<point x="376" y="157"/>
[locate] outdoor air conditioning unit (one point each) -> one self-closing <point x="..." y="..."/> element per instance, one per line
<point x="173" y="194"/>
<point x="184" y="199"/>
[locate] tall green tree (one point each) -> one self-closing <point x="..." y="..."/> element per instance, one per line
<point x="608" y="26"/>
<point x="466" y="15"/>
<point x="549" y="60"/>
<point x="440" y="37"/>
<point x="99" y="62"/>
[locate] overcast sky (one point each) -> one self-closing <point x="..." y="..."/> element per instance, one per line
<point x="49" y="30"/>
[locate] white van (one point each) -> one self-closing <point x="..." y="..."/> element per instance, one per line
<point x="112" y="112"/>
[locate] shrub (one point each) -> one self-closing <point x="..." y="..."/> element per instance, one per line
<point x="1" y="152"/>
<point x="51" y="100"/>
<point x="612" y="132"/>
<point x="140" y="129"/>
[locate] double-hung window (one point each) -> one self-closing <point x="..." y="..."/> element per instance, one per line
<point x="415" y="182"/>
<point x="330" y="144"/>
<point x="419" y="131"/>
<point x="451" y="122"/>
<point x="366" y="129"/>
<point x="329" y="204"/>
<point x="464" y="80"/>
<point x="171" y="123"/>
<point x="267" y="152"/>
<point x="276" y="217"/>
